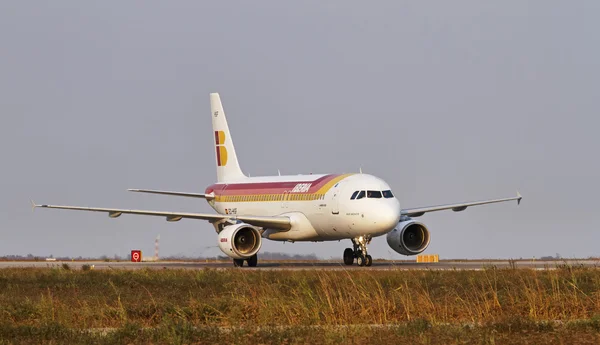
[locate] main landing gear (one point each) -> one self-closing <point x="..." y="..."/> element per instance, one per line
<point x="359" y="252"/>
<point x="252" y="261"/>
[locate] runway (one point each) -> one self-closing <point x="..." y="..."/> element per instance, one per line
<point x="308" y="265"/>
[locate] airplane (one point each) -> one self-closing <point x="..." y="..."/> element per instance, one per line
<point x="315" y="207"/>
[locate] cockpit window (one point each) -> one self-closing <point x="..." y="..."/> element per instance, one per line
<point x="361" y="195"/>
<point x="374" y="194"/>
<point x="388" y="194"/>
<point x="354" y="195"/>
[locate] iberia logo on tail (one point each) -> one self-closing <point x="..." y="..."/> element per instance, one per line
<point x="221" y="150"/>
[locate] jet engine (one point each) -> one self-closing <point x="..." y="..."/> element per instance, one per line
<point x="240" y="241"/>
<point x="409" y="238"/>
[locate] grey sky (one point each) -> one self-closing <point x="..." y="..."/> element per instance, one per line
<point x="447" y="101"/>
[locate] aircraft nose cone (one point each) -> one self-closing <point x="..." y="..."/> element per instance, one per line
<point x="389" y="215"/>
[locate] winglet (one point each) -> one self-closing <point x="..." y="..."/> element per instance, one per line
<point x="519" y="197"/>
<point x="33" y="205"/>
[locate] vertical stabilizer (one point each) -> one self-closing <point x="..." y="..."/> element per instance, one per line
<point x="228" y="168"/>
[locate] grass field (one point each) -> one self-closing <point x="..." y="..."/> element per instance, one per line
<point x="508" y="306"/>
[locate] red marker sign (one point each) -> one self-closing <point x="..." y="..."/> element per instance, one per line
<point x="136" y="256"/>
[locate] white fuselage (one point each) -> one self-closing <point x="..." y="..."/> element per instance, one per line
<point x="321" y="206"/>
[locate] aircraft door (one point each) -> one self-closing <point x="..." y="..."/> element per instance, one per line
<point x="335" y="206"/>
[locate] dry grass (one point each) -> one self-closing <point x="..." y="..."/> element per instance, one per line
<point x="39" y="305"/>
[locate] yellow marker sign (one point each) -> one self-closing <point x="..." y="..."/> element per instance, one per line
<point x="428" y="258"/>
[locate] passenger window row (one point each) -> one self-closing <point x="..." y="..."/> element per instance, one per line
<point x="372" y="194"/>
<point x="271" y="197"/>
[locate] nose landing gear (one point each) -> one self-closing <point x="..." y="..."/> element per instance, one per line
<point x="359" y="252"/>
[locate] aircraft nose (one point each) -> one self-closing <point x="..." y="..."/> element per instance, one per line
<point x="389" y="215"/>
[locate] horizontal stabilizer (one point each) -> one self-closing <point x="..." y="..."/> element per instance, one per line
<point x="190" y="195"/>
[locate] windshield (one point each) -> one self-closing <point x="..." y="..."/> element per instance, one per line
<point x="374" y="194"/>
<point x="388" y="194"/>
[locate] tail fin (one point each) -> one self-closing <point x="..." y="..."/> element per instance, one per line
<point x="228" y="168"/>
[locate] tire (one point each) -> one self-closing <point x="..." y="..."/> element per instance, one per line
<point x="369" y="260"/>
<point x="348" y="256"/>
<point x="252" y="261"/>
<point x="360" y="260"/>
<point x="238" y="262"/>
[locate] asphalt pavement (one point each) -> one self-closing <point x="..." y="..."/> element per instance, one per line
<point x="308" y="265"/>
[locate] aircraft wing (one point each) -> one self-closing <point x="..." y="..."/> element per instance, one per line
<point x="271" y="222"/>
<point x="417" y="212"/>
<point x="163" y="192"/>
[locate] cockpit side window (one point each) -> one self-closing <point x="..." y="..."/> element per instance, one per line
<point x="388" y="194"/>
<point x="360" y="195"/>
<point x="374" y="194"/>
<point x="354" y="195"/>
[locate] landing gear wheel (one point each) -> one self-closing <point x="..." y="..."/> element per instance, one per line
<point x="252" y="261"/>
<point x="360" y="260"/>
<point x="348" y="256"/>
<point x="360" y="250"/>
<point x="238" y="262"/>
<point x="369" y="260"/>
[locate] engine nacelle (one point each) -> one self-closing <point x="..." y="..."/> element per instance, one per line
<point x="240" y="241"/>
<point x="409" y="238"/>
